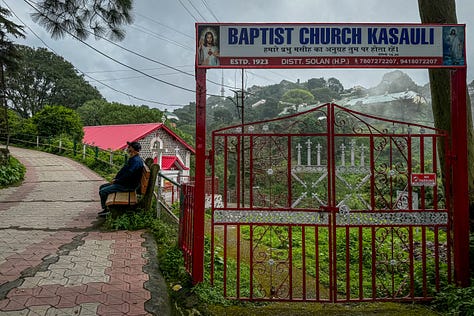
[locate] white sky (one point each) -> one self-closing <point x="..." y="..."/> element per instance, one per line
<point x="163" y="31"/>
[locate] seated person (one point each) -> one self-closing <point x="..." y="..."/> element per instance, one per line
<point x="127" y="179"/>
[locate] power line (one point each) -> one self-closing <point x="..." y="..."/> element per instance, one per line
<point x="134" y="77"/>
<point x="83" y="73"/>
<point x="189" y="12"/>
<point x="137" y="54"/>
<point x="166" y="26"/>
<point x="121" y="63"/>
<point x="209" y="9"/>
<point x="154" y="34"/>
<point x="203" y="18"/>
<point x="149" y="59"/>
<point x="123" y="70"/>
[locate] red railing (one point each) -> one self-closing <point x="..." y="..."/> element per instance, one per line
<point x="189" y="243"/>
<point x="186" y="220"/>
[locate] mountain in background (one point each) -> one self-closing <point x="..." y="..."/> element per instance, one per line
<point x="395" y="81"/>
<point x="396" y="97"/>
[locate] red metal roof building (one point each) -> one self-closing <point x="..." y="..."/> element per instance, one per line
<point x="157" y="140"/>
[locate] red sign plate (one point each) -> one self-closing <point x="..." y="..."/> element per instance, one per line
<point x="423" y="179"/>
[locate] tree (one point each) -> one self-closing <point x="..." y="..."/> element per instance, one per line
<point x="80" y="18"/>
<point x="315" y="83"/>
<point x="58" y="120"/>
<point x="8" y="58"/>
<point x="298" y="96"/>
<point x="324" y="94"/>
<point x="335" y="85"/>
<point x="45" y="78"/>
<point x="444" y="11"/>
<point x="270" y="109"/>
<point x="100" y="112"/>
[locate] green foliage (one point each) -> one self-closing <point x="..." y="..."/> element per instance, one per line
<point x="15" y="123"/>
<point x="187" y="114"/>
<point x="355" y="247"/>
<point x="335" y="85"/>
<point x="315" y="83"/>
<point x="11" y="173"/>
<point x="270" y="109"/>
<point x="42" y="78"/>
<point x="213" y="293"/>
<point x="100" y="112"/>
<point x="325" y="95"/>
<point x="172" y="264"/>
<point x="8" y="52"/>
<point x="456" y="301"/>
<point x="58" y="120"/>
<point x="298" y="96"/>
<point x="100" y="17"/>
<point x="134" y="220"/>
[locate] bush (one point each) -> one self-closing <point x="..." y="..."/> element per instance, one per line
<point x="129" y="220"/>
<point x="456" y="301"/>
<point x="12" y="173"/>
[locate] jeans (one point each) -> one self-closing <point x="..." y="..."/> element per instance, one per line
<point x="107" y="188"/>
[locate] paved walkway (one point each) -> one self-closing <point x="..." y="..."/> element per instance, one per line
<point x="54" y="258"/>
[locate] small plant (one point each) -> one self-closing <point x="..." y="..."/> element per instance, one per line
<point x="456" y="301"/>
<point x="139" y="219"/>
<point x="12" y="173"/>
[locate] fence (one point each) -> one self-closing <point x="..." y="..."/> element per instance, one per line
<point x="61" y="145"/>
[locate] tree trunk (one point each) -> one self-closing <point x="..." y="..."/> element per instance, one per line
<point x="444" y="12"/>
<point x="3" y="100"/>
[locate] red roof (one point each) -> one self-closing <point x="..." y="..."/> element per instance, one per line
<point x="115" y="137"/>
<point x="167" y="162"/>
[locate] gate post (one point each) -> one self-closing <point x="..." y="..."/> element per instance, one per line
<point x="200" y="178"/>
<point x="460" y="201"/>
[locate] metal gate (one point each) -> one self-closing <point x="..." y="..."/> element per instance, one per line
<point x="329" y="205"/>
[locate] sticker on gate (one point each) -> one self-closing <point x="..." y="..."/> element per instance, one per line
<point x="423" y="179"/>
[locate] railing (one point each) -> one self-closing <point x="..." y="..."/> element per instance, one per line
<point x="186" y="227"/>
<point x="166" y="197"/>
<point x="59" y="145"/>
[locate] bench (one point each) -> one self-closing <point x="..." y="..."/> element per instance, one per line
<point x="130" y="198"/>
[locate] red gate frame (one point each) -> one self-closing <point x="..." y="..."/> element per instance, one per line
<point x="460" y="197"/>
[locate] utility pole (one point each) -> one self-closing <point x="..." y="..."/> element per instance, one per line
<point x="242" y="171"/>
<point x="240" y="94"/>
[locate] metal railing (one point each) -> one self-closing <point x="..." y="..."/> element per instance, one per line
<point x="65" y="146"/>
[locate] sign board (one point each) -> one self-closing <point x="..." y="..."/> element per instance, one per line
<point x="270" y="45"/>
<point x="403" y="202"/>
<point x="423" y="179"/>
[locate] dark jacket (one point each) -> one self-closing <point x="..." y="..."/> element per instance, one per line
<point x="130" y="174"/>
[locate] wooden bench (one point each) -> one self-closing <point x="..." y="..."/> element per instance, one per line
<point x="130" y="198"/>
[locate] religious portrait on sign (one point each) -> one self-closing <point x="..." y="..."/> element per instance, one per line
<point x="208" y="46"/>
<point x="453" y="45"/>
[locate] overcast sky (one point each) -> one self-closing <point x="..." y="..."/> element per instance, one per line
<point x="163" y="33"/>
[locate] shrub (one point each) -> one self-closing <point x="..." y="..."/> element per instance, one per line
<point x="456" y="301"/>
<point x="12" y="173"/>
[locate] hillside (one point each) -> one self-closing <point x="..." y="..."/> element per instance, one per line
<point x="397" y="97"/>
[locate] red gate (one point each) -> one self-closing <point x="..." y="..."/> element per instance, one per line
<point x="330" y="205"/>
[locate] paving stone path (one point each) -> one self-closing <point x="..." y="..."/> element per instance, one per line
<point x="54" y="257"/>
